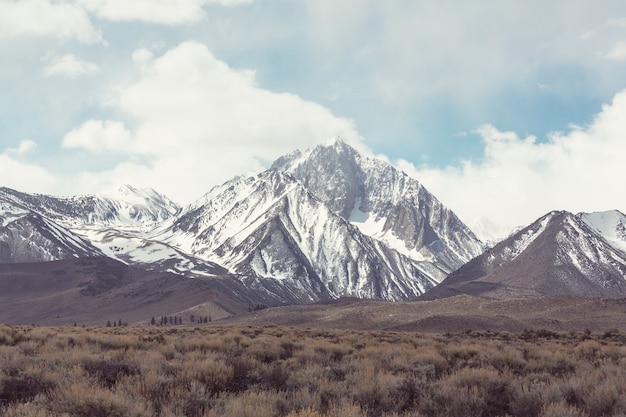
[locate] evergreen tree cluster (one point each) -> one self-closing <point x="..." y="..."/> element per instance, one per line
<point x="116" y="323"/>
<point x="177" y="320"/>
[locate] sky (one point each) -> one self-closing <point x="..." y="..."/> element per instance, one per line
<point x="504" y="110"/>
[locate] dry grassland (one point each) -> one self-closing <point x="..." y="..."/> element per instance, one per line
<point x="295" y="372"/>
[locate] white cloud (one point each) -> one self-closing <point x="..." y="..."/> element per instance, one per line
<point x="200" y="122"/>
<point x="100" y="136"/>
<point x="69" y="66"/>
<point x="23" y="176"/>
<point x="168" y="12"/>
<point x="618" y="52"/>
<point x="519" y="179"/>
<point x="142" y="56"/>
<point x="41" y="18"/>
<point x="26" y="146"/>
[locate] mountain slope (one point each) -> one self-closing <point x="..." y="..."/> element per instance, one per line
<point x="560" y="253"/>
<point x="26" y="236"/>
<point x="271" y="230"/>
<point x="383" y="203"/>
<point x="115" y="223"/>
<point x="611" y="225"/>
<point x="93" y="290"/>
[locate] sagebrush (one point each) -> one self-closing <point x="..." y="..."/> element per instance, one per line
<point x="295" y="372"/>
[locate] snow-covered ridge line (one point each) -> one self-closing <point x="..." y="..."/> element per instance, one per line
<point x="126" y="207"/>
<point x="522" y="242"/>
<point x="611" y="225"/>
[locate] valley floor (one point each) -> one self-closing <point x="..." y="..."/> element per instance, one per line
<point x="286" y="371"/>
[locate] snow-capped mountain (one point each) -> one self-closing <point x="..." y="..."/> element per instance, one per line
<point x="384" y="203"/>
<point x="125" y="207"/>
<point x="560" y="253"/>
<point x="270" y="229"/>
<point x="26" y="236"/>
<point x="326" y="223"/>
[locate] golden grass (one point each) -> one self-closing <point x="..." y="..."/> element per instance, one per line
<point x="294" y="372"/>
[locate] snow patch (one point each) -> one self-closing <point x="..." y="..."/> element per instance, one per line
<point x="528" y="237"/>
<point x="9" y="213"/>
<point x="611" y="225"/>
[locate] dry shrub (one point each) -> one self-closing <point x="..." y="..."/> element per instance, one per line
<point x="463" y="356"/>
<point x="527" y="403"/>
<point x="561" y="409"/>
<point x="81" y="401"/>
<point x="532" y="392"/>
<point x="481" y="387"/>
<point x="606" y="400"/>
<point x="556" y="362"/>
<point x="108" y="372"/>
<point x="452" y="402"/>
<point x="375" y="391"/>
<point x="328" y="352"/>
<point x="29" y="347"/>
<point x="429" y="364"/>
<point x="274" y="371"/>
<point x="9" y="336"/>
<point x="215" y="374"/>
<point x="307" y="412"/>
<point x="308" y="377"/>
<point x="244" y="374"/>
<point x="23" y="387"/>
<point x="599" y="392"/>
<point x="250" y="404"/>
<point x="509" y="359"/>
<point x="189" y="400"/>
<point x="588" y="350"/>
<point x="25" y="410"/>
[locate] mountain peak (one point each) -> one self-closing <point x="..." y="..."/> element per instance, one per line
<point x="337" y="142"/>
<point x="382" y="202"/>
<point x="559" y="253"/>
<point x="127" y="190"/>
<point x="329" y="151"/>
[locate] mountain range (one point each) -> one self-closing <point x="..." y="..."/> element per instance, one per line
<point x="318" y="225"/>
